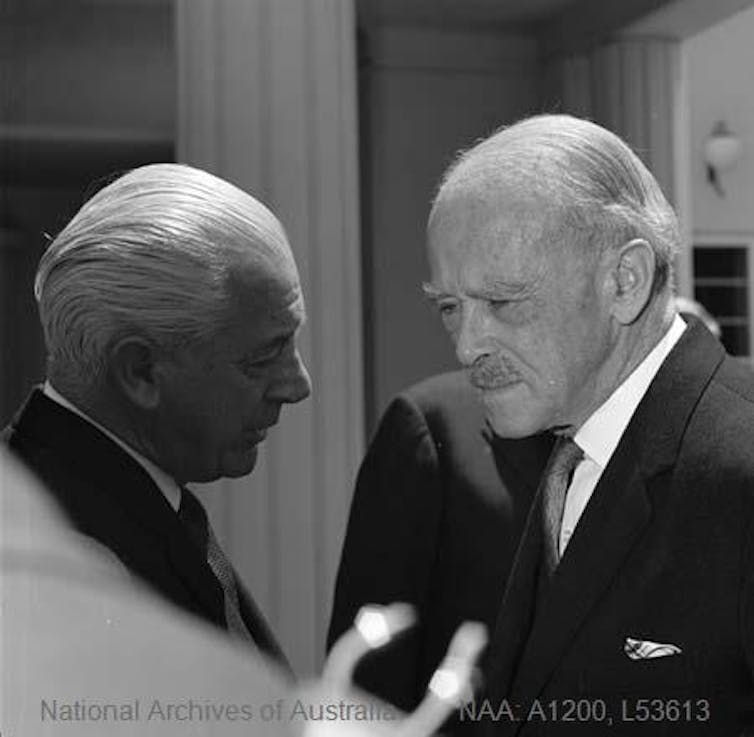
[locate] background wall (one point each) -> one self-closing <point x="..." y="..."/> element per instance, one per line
<point x="89" y="65"/>
<point x="426" y="94"/>
<point x="719" y="70"/>
<point x="85" y="90"/>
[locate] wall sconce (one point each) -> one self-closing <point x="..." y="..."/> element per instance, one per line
<point x="721" y="151"/>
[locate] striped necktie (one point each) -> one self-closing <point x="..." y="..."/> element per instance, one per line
<point x="566" y="455"/>
<point x="194" y="517"/>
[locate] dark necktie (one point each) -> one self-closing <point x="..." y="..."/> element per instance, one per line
<point x="194" y="517"/>
<point x="566" y="455"/>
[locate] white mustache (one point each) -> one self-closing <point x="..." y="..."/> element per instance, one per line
<point x="492" y="373"/>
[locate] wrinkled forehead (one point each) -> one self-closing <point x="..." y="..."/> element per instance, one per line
<point x="463" y="219"/>
<point x="506" y="171"/>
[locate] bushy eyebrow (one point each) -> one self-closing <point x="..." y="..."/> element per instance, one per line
<point x="432" y="293"/>
<point x="490" y="288"/>
<point x="496" y="284"/>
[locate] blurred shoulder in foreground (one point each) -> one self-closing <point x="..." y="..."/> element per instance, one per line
<point x="80" y="644"/>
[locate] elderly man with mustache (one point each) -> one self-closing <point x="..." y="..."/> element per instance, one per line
<point x="630" y="595"/>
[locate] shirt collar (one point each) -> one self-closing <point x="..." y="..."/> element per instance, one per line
<point x="164" y="481"/>
<point x="599" y="436"/>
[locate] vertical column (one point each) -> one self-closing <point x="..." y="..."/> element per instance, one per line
<point x="267" y="100"/>
<point x="634" y="93"/>
<point x="635" y="87"/>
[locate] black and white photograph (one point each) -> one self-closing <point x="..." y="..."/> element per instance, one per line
<point x="377" y="368"/>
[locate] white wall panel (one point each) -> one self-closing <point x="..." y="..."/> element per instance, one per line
<point x="267" y="99"/>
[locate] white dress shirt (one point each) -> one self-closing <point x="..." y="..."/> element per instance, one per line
<point x="599" y="436"/>
<point x="164" y="481"/>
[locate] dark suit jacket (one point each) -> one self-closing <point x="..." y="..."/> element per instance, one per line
<point x="664" y="552"/>
<point x="110" y="497"/>
<point x="436" y="516"/>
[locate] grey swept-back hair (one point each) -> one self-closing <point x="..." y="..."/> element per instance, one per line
<point x="153" y="253"/>
<point x="596" y="184"/>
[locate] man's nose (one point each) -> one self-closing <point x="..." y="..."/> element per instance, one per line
<point x="294" y="384"/>
<point x="472" y="338"/>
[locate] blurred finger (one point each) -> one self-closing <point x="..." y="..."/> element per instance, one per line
<point x="451" y="683"/>
<point x="373" y="628"/>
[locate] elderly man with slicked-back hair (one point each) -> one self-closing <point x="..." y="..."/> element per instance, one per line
<point x="629" y="605"/>
<point x="170" y="305"/>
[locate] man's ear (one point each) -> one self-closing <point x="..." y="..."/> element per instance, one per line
<point x="132" y="362"/>
<point x="632" y="276"/>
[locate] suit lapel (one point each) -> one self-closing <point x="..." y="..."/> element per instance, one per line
<point x="612" y="523"/>
<point x="258" y="627"/>
<point x="519" y="464"/>
<point x="110" y="497"/>
<point x="610" y="526"/>
<point x="194" y="571"/>
<point x="516" y="611"/>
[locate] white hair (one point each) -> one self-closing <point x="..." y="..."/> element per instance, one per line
<point x="597" y="185"/>
<point x="153" y="253"/>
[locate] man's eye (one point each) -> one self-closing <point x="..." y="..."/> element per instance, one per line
<point x="498" y="304"/>
<point x="259" y="360"/>
<point x="272" y="353"/>
<point x="447" y="308"/>
<point x="266" y="358"/>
